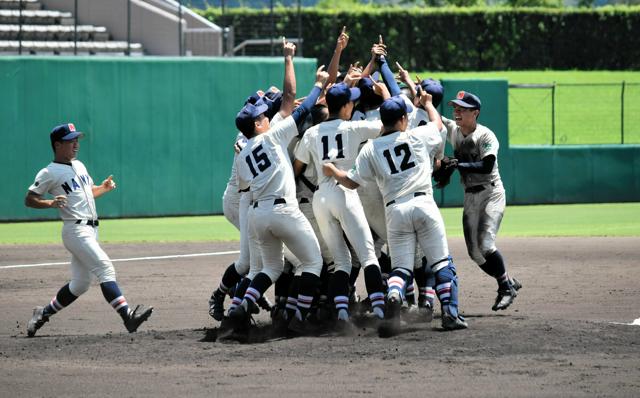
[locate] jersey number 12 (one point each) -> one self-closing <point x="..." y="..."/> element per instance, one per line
<point x="401" y="150"/>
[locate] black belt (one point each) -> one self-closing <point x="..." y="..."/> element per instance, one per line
<point x="279" y="201"/>
<point x="477" y="188"/>
<point x="414" y="195"/>
<point x="93" y="223"/>
<point x="304" y="200"/>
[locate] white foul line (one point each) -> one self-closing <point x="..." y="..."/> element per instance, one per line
<point x="634" y="323"/>
<point x="128" y="259"/>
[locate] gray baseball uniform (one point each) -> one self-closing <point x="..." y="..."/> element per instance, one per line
<point x="484" y="198"/>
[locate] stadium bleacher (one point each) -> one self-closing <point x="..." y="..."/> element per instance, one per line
<point x="52" y="32"/>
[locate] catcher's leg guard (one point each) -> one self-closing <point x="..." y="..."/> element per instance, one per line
<point x="447" y="288"/>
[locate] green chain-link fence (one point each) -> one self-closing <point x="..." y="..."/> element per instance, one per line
<point x="574" y="114"/>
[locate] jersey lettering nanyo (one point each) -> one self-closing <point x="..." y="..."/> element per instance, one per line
<point x="73" y="181"/>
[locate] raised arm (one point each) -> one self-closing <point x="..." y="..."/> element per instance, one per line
<point x="427" y="102"/>
<point x="289" y="85"/>
<point x="300" y="113"/>
<point x="387" y="76"/>
<point x="406" y="79"/>
<point x="341" y="44"/>
<point x="376" y="50"/>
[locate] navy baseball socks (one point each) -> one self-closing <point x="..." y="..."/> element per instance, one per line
<point x="396" y="283"/>
<point x="41" y="314"/>
<point x="375" y="289"/>
<point x="447" y="291"/>
<point x="506" y="288"/>
<point x="216" y="301"/>
<point x="339" y="291"/>
<point x="132" y="318"/>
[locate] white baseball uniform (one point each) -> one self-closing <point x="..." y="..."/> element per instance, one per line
<point x="400" y="164"/>
<point x="79" y="236"/>
<point x="264" y="166"/>
<point x="336" y="208"/>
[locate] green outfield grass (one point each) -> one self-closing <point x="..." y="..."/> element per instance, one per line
<point x="617" y="219"/>
<point x="588" y="114"/>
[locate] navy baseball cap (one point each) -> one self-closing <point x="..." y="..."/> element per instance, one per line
<point x="434" y="88"/>
<point x="273" y="99"/>
<point x="367" y="94"/>
<point x="340" y="94"/>
<point x="65" y="132"/>
<point x="393" y="109"/>
<point x="253" y="98"/>
<point x="466" y="100"/>
<point x="246" y="116"/>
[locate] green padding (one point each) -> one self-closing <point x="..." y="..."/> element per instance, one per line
<point x="494" y="114"/>
<point x="576" y="174"/>
<point x="164" y="127"/>
<point x="534" y="179"/>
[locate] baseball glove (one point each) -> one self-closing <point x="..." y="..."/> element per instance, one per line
<point x="442" y="176"/>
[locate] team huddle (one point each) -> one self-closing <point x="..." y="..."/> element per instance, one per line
<point x="321" y="189"/>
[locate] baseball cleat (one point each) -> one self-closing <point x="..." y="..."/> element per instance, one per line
<point x="216" y="306"/>
<point x="299" y="327"/>
<point x="136" y="317"/>
<point x="37" y="320"/>
<point x="516" y="284"/>
<point x="504" y="299"/>
<point x="391" y="325"/>
<point x="264" y="303"/>
<point x="240" y="316"/>
<point x="453" y="323"/>
<point x="427" y="310"/>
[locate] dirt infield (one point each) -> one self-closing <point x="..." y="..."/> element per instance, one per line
<point x="556" y="340"/>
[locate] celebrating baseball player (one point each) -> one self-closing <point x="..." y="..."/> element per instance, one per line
<point x="476" y="159"/>
<point x="399" y="162"/>
<point x="264" y="167"/>
<point x="73" y="191"/>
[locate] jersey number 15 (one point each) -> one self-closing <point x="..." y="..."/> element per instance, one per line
<point x="261" y="160"/>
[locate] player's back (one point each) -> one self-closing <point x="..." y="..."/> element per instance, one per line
<point x="336" y="141"/>
<point x="400" y="162"/>
<point x="264" y="165"/>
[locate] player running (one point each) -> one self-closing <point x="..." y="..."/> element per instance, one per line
<point x="67" y="179"/>
<point x="476" y="158"/>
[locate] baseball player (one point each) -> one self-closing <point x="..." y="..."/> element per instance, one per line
<point x="399" y="162"/>
<point x="264" y="167"/>
<point x="73" y="191"/>
<point x="235" y="205"/>
<point x="476" y="158"/>
<point x="338" y="210"/>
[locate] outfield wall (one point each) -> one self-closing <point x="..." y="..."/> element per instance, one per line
<point x="545" y="174"/>
<point x="164" y="128"/>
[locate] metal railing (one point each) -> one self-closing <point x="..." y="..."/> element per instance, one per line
<point x="266" y="31"/>
<point x="30" y="28"/>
